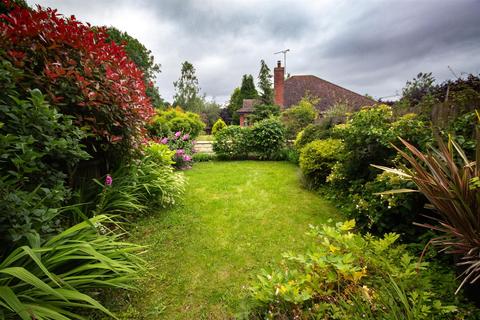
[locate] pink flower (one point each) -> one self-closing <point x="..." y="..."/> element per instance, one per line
<point x="164" y="141"/>
<point x="186" y="158"/>
<point x="178" y="134"/>
<point x="108" y="180"/>
<point x="180" y="152"/>
<point x="186" y="137"/>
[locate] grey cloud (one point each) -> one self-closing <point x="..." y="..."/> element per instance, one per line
<point x="369" y="46"/>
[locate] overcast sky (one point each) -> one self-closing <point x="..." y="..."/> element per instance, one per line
<point x="369" y="46"/>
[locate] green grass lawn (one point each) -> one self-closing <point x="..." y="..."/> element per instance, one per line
<point x="237" y="218"/>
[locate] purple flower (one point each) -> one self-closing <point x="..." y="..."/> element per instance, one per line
<point x="164" y="141"/>
<point x="180" y="152"/>
<point x="186" y="137"/>
<point x="178" y="134"/>
<point x="194" y="141"/>
<point x="186" y="158"/>
<point x="108" y="180"/>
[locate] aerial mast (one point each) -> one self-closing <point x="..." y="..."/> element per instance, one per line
<point x="284" y="57"/>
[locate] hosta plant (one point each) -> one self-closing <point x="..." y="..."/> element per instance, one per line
<point x="57" y="280"/>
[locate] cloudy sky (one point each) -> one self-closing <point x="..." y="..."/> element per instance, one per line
<point x="368" y="46"/>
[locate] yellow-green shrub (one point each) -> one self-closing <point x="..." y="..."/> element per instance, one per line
<point x="218" y="125"/>
<point x="318" y="158"/>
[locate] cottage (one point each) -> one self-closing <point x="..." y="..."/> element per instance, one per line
<point x="290" y="91"/>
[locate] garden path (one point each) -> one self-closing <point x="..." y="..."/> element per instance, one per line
<point x="237" y="218"/>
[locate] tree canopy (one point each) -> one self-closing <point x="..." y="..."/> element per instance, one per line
<point x="265" y="84"/>
<point x="186" y="88"/>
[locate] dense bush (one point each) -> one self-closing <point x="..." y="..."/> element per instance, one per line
<point x="297" y="117"/>
<point x="40" y="149"/>
<point x="232" y="143"/>
<point x="51" y="281"/>
<point x="183" y="147"/>
<point x="310" y="133"/>
<point x="318" y="158"/>
<point x="267" y="138"/>
<point x="349" y="276"/>
<point x="368" y="137"/>
<point x="173" y="120"/>
<point x="263" y="111"/>
<point x="451" y="183"/>
<point x="218" y="126"/>
<point x="82" y="74"/>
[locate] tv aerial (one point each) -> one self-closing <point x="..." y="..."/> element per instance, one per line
<point x="284" y="57"/>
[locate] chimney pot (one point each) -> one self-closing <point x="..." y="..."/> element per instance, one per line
<point x="279" y="63"/>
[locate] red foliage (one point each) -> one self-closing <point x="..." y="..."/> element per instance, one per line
<point x="83" y="74"/>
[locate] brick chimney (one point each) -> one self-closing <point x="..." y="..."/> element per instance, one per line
<point x="278" y="83"/>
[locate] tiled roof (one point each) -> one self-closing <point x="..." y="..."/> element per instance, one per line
<point x="297" y="86"/>
<point x="248" y="105"/>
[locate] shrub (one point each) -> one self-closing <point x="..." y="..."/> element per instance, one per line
<point x="218" y="125"/>
<point x="183" y="147"/>
<point x="82" y="74"/>
<point x="318" y="158"/>
<point x="394" y="212"/>
<point x="451" y="184"/>
<point x="204" y="157"/>
<point x="367" y="138"/>
<point x="267" y="138"/>
<point x="232" y="143"/>
<point x="142" y="186"/>
<point x="298" y="117"/>
<point x="58" y="279"/>
<point x="263" y="111"/>
<point x="40" y="148"/>
<point x="312" y="132"/>
<point x="350" y="276"/>
<point x="174" y="120"/>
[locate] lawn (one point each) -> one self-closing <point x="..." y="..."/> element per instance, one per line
<point x="237" y="218"/>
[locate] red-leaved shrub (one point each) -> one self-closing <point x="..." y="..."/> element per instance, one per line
<point x="83" y="75"/>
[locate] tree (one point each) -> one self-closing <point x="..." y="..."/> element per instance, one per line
<point x="247" y="89"/>
<point x="235" y="103"/>
<point x="144" y="60"/>
<point x="186" y="88"/>
<point x="265" y="84"/>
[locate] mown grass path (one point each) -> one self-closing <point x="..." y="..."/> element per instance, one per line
<point x="237" y="218"/>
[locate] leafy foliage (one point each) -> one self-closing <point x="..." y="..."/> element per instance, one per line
<point x="317" y="159"/>
<point x="232" y="143"/>
<point x="142" y="186"/>
<point x="56" y="280"/>
<point x="173" y="120"/>
<point x="310" y="133"/>
<point x="83" y="74"/>
<point x="265" y="84"/>
<point x="267" y="138"/>
<point x="263" y="111"/>
<point x="218" y="126"/>
<point x="349" y="276"/>
<point x="450" y="182"/>
<point x="144" y="60"/>
<point x="39" y="149"/>
<point x="186" y="87"/>
<point x="247" y="90"/>
<point x="297" y="117"/>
